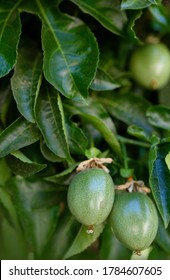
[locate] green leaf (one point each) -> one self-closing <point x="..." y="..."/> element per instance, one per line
<point x="139" y="4"/>
<point x="65" y="233"/>
<point x="160" y="179"/>
<point x="70" y="60"/>
<point x="138" y="132"/>
<point x="10" y="29"/>
<point x="5" y="173"/>
<point x="47" y="153"/>
<point x="83" y="240"/>
<point x="133" y="111"/>
<point x="55" y="178"/>
<point x="76" y="138"/>
<point x="95" y="114"/>
<point x="50" y="119"/>
<point x="159" y="116"/>
<point x="13" y="245"/>
<point x="167" y="160"/>
<point x="161" y="16"/>
<point x="106" y="12"/>
<point x="111" y="248"/>
<point x="163" y="238"/>
<point x="39" y="223"/>
<point x="132" y="15"/>
<point x="6" y="201"/>
<point x="21" y="165"/>
<point x="103" y="82"/>
<point x="26" y="80"/>
<point x="19" y="134"/>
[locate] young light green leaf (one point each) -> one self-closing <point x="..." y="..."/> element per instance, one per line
<point x="159" y="116"/>
<point x="21" y="165"/>
<point x="50" y="119"/>
<point x="140" y="4"/>
<point x="19" y="134"/>
<point x="106" y="12"/>
<point x="103" y="82"/>
<point x="70" y="60"/>
<point x="160" y="179"/>
<point x="10" y="29"/>
<point x="83" y="240"/>
<point x="26" y="80"/>
<point x="167" y="160"/>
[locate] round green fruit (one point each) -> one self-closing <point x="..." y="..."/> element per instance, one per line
<point x="91" y="196"/>
<point x="150" y="65"/>
<point x="134" y="220"/>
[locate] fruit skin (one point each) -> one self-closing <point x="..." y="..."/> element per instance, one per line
<point x="134" y="220"/>
<point x="91" y="196"/>
<point x="150" y="65"/>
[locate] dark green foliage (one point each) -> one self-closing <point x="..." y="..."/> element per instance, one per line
<point x="67" y="94"/>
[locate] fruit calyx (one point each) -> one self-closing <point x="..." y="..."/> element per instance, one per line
<point x="94" y="163"/>
<point x="134" y="186"/>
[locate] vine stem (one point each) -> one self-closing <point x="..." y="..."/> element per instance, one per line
<point x="133" y="142"/>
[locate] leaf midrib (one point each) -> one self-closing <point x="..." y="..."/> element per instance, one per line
<point x="55" y="38"/>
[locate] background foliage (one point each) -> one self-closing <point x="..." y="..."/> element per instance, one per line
<point x="66" y="95"/>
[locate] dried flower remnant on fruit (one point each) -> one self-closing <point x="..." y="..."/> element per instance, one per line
<point x="90" y="229"/>
<point x="94" y="163"/>
<point x="134" y="186"/>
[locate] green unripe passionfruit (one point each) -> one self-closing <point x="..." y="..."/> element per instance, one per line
<point x="134" y="220"/>
<point x="150" y="65"/>
<point x="91" y="196"/>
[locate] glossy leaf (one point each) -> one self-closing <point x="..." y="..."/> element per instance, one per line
<point x="83" y="240"/>
<point x="167" y="160"/>
<point x="161" y="16"/>
<point x="21" y="165"/>
<point x="19" y="134"/>
<point x="163" y="238"/>
<point x="138" y="132"/>
<point x="39" y="223"/>
<point x="47" y="153"/>
<point x="95" y="114"/>
<point x="160" y="179"/>
<point x="133" y="16"/>
<point x="76" y="138"/>
<point x="50" y="119"/>
<point x="103" y="82"/>
<point x="70" y="60"/>
<point x="10" y="29"/>
<point x="140" y="4"/>
<point x="26" y="80"/>
<point x="106" y="12"/>
<point x="133" y="111"/>
<point x="159" y="116"/>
